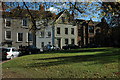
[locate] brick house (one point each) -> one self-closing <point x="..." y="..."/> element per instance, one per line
<point x="86" y="31"/>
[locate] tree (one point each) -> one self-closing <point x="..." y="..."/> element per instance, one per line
<point x="111" y="11"/>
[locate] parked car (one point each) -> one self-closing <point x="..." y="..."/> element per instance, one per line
<point x="9" y="53"/>
<point x="91" y="46"/>
<point x="70" y="46"/>
<point x="25" y="50"/>
<point x="3" y="53"/>
<point x="50" y="48"/>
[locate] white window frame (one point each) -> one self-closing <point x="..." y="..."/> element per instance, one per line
<point x="50" y="34"/>
<point x="6" y="36"/>
<point x="28" y="37"/>
<point x="73" y="30"/>
<point x="6" y="21"/>
<point x="23" y="22"/>
<point x="17" y="37"/>
<point x="41" y="34"/>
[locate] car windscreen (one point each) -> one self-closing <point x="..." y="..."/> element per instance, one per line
<point x="7" y="50"/>
<point x="14" y="50"/>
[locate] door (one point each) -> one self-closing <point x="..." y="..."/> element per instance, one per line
<point x="59" y="43"/>
<point x="15" y="52"/>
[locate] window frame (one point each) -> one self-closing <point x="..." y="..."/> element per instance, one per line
<point x="66" y="32"/>
<point x="42" y="45"/>
<point x="72" y="32"/>
<point x="18" y="37"/>
<point x="28" y="37"/>
<point x="6" y="36"/>
<point x="59" y="30"/>
<point x="73" y="40"/>
<point x="67" y="41"/>
<point x="23" y="22"/>
<point x="89" y="29"/>
<point x="9" y="23"/>
<point x="48" y="34"/>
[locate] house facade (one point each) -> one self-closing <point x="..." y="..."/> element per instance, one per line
<point x="15" y="31"/>
<point x="44" y="37"/>
<point x="64" y="30"/>
<point x="17" y="26"/>
<point x="61" y="33"/>
<point x="87" y="30"/>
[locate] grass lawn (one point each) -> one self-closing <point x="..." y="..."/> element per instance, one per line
<point x="80" y="63"/>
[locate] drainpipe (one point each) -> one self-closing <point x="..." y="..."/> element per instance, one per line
<point x="53" y="34"/>
<point x="34" y="38"/>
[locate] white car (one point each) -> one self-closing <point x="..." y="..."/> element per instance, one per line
<point x="12" y="53"/>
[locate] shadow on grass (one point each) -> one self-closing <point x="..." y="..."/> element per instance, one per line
<point x="101" y="58"/>
<point x="76" y="50"/>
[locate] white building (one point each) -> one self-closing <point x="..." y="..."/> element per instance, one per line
<point x="61" y="33"/>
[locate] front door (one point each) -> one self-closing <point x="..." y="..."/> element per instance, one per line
<point x="59" y="43"/>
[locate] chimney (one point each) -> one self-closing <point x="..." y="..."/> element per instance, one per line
<point x="41" y="7"/>
<point x="3" y="6"/>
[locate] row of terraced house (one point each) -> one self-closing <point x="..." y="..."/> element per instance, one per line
<point x="15" y="29"/>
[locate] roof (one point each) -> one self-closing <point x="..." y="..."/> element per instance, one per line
<point x="59" y="14"/>
<point x="17" y="12"/>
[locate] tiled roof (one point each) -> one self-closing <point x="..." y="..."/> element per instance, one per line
<point x="17" y="12"/>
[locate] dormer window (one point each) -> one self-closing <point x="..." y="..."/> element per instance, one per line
<point x="63" y="19"/>
<point x="25" y="22"/>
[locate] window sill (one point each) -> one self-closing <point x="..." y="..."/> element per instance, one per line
<point x="48" y="37"/>
<point x="8" y="39"/>
<point x="41" y="37"/>
<point x="25" y="27"/>
<point x="29" y="41"/>
<point x="19" y="42"/>
<point x="7" y="27"/>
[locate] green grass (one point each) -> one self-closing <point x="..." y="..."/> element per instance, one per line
<point x="80" y="63"/>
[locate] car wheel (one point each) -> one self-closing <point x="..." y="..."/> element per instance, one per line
<point x="12" y="56"/>
<point x="30" y="52"/>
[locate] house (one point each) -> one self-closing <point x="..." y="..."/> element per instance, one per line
<point x="60" y="33"/>
<point x="44" y="37"/>
<point x="65" y="32"/>
<point x="15" y="30"/>
<point x="87" y="30"/>
<point x="18" y="27"/>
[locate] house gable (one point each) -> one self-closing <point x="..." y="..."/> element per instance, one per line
<point x="63" y="17"/>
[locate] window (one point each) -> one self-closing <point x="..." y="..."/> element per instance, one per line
<point x="72" y="31"/>
<point x="49" y="42"/>
<point x="42" y="34"/>
<point x="42" y="44"/>
<point x="91" y="29"/>
<point x="19" y="36"/>
<point x="29" y="37"/>
<point x="66" y="41"/>
<point x="72" y="41"/>
<point x="97" y="31"/>
<point x="66" y="30"/>
<point x="79" y="32"/>
<point x="7" y="23"/>
<point x="58" y="30"/>
<point x="7" y="34"/>
<point x="24" y="22"/>
<point x="63" y="19"/>
<point x="49" y="34"/>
